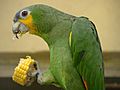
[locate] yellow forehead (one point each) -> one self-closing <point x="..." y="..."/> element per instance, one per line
<point x="28" y="22"/>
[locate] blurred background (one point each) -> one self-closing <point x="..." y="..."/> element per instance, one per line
<point x="104" y="13"/>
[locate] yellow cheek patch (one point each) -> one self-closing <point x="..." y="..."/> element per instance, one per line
<point x="28" y="22"/>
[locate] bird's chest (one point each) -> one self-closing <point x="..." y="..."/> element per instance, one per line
<point x="60" y="61"/>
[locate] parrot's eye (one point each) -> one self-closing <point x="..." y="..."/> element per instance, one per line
<point x="24" y="14"/>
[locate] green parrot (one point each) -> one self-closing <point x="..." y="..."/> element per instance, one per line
<point x="76" y="61"/>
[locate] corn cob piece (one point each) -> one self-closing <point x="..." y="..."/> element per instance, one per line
<point x="22" y="73"/>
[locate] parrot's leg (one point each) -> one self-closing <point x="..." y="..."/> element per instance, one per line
<point x="46" y="78"/>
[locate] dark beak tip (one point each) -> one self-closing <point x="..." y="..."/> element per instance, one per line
<point x="17" y="36"/>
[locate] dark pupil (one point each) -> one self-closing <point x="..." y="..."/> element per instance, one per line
<point x="24" y="13"/>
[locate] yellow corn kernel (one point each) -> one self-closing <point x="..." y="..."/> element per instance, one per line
<point x="24" y="77"/>
<point x="22" y="70"/>
<point x="24" y="67"/>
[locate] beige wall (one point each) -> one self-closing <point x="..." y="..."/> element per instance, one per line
<point x="104" y="13"/>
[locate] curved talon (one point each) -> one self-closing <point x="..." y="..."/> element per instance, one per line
<point x="26" y="71"/>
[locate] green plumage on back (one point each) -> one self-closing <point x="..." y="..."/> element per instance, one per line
<point x="87" y="55"/>
<point x="76" y="61"/>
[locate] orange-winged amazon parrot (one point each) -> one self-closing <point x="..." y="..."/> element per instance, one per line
<point x="76" y="61"/>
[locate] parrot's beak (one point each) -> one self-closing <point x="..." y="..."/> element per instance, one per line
<point x="19" y="29"/>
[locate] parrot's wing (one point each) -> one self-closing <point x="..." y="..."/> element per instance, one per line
<point x="87" y="53"/>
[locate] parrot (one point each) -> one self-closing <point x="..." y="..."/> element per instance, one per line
<point x="76" y="60"/>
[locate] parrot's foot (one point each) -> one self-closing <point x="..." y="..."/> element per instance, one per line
<point x="46" y="78"/>
<point x="41" y="79"/>
<point x="26" y="72"/>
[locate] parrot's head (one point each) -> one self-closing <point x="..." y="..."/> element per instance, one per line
<point x="35" y="19"/>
